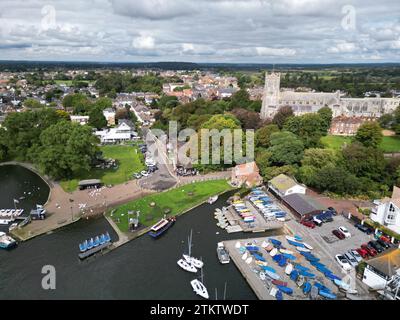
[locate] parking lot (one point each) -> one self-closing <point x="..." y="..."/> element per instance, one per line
<point x="323" y="235"/>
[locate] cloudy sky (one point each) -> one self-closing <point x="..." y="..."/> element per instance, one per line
<point x="255" y="31"/>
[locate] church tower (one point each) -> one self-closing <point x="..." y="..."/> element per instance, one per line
<point x="270" y="103"/>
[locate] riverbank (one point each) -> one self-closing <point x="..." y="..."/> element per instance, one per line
<point x="173" y="202"/>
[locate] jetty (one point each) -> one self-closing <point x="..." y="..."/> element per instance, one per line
<point x="90" y="252"/>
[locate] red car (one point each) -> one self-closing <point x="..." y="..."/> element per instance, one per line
<point x="309" y="224"/>
<point x="386" y="239"/>
<point x="371" y="251"/>
<point x="362" y="252"/>
<point x="338" y="234"/>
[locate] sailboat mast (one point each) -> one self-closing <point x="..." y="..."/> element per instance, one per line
<point x="225" y="292"/>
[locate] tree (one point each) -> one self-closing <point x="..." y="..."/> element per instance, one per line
<point x="103" y="103"/>
<point x="369" y="134"/>
<point x="363" y="161"/>
<point x="309" y="127"/>
<point x="3" y="145"/>
<point x="65" y="149"/>
<point x="78" y="102"/>
<point x="240" y="99"/>
<point x="286" y="148"/>
<point x="282" y="115"/>
<point x="326" y="114"/>
<point x="32" y="103"/>
<point x="263" y="135"/>
<point x="222" y="121"/>
<point x="96" y="118"/>
<point x="249" y="119"/>
<point x="318" y="158"/>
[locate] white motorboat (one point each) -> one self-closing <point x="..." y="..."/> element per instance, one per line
<point x="199" y="288"/>
<point x="193" y="261"/>
<point x="212" y="200"/>
<point x="186" y="266"/>
<point x="222" y="254"/>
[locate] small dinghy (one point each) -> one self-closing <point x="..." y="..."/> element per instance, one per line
<point x="244" y="256"/>
<point x="269" y="247"/>
<point x="289" y="238"/>
<point x="252" y="248"/>
<point x="302" y="249"/>
<point x="273" y="252"/>
<point x="300" y="281"/>
<point x="242" y="250"/>
<point x="294" y="274"/>
<point x="289" y="256"/>
<point x="299" y="267"/>
<point x="298" y="238"/>
<point x="307" y="288"/>
<point x="237" y="245"/>
<point x="286" y="251"/>
<point x="267" y="268"/>
<point x="307" y="274"/>
<point x="308" y="246"/>
<point x="275" y="242"/>
<point x="83" y="246"/>
<point x="327" y="295"/>
<point x="331" y="276"/>
<point x="272" y="275"/>
<point x="249" y="260"/>
<point x="258" y="257"/>
<point x="279" y="283"/>
<point x="289" y="269"/>
<point x="297" y="244"/>
<point x="262" y="276"/>
<point x="279" y="295"/>
<point x="285" y="289"/>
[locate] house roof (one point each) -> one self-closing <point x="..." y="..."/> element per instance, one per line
<point x="387" y="262"/>
<point x="282" y="183"/>
<point x="246" y="169"/>
<point x="303" y="204"/>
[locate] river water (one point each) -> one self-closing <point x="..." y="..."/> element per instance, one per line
<point x="142" y="269"/>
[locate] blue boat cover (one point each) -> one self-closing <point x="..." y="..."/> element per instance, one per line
<point x="293" y="275"/>
<point x="296" y="244"/>
<point x="289" y="256"/>
<point x="307" y="288"/>
<point x="300" y="267"/>
<point x="268" y="268"/>
<point x="275" y="242"/>
<point x="279" y="295"/>
<point x="307" y="274"/>
<point x="327" y="294"/>
<point x="284" y="289"/>
<point x="258" y="257"/>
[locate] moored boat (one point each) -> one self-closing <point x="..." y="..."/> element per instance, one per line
<point x="223" y="255"/>
<point x="186" y="266"/>
<point x="6" y="242"/>
<point x="212" y="200"/>
<point x="199" y="288"/>
<point x="161" y="226"/>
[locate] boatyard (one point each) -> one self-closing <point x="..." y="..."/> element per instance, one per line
<point x="267" y="275"/>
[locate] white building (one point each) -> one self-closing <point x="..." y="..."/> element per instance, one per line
<point x="381" y="269"/>
<point x="283" y="185"/>
<point x="122" y="133"/>
<point x="80" y="119"/>
<point x="387" y="211"/>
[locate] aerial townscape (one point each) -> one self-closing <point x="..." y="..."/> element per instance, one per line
<point x="256" y="178"/>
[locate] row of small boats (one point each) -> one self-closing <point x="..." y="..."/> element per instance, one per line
<point x="219" y="215"/>
<point x="94" y="242"/>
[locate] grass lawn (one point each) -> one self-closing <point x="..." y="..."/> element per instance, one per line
<point x="173" y="201"/>
<point x="388" y="144"/>
<point x="130" y="160"/>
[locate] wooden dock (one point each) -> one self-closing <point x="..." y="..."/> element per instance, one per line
<point x="88" y="253"/>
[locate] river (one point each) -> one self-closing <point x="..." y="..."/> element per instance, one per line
<point x="142" y="269"/>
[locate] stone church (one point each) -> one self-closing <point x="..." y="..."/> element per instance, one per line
<point x="309" y="102"/>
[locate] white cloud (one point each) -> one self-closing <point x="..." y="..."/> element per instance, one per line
<point x="343" y="47"/>
<point x="144" y="42"/>
<point x="264" y="51"/>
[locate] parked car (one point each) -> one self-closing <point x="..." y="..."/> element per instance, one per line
<point x="343" y="262"/>
<point x="363" y="253"/>
<point x="383" y="244"/>
<point x="144" y="173"/>
<point x="326" y="216"/>
<point x="353" y="262"/>
<point x="338" y="234"/>
<point x="333" y="210"/>
<point x="309" y="224"/>
<point x="386" y="239"/>
<point x="317" y="221"/>
<point x="376" y="246"/>
<point x="371" y="251"/>
<point x="356" y="255"/>
<point x="345" y="231"/>
<point x="361" y="227"/>
<point x="137" y="175"/>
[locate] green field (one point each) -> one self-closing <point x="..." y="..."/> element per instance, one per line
<point x="129" y="158"/>
<point x="173" y="202"/>
<point x="388" y="144"/>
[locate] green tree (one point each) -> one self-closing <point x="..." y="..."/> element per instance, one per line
<point x="263" y="135"/>
<point x="369" y="134"/>
<point x="309" y="127"/>
<point x="319" y="158"/>
<point x="282" y="115"/>
<point x="65" y="149"/>
<point x="96" y="118"/>
<point x="286" y="148"/>
<point x="326" y="114"/>
<point x="32" y="103"/>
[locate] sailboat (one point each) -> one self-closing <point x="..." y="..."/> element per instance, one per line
<point x="199" y="288"/>
<point x="188" y="258"/>
<point x="186" y="266"/>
